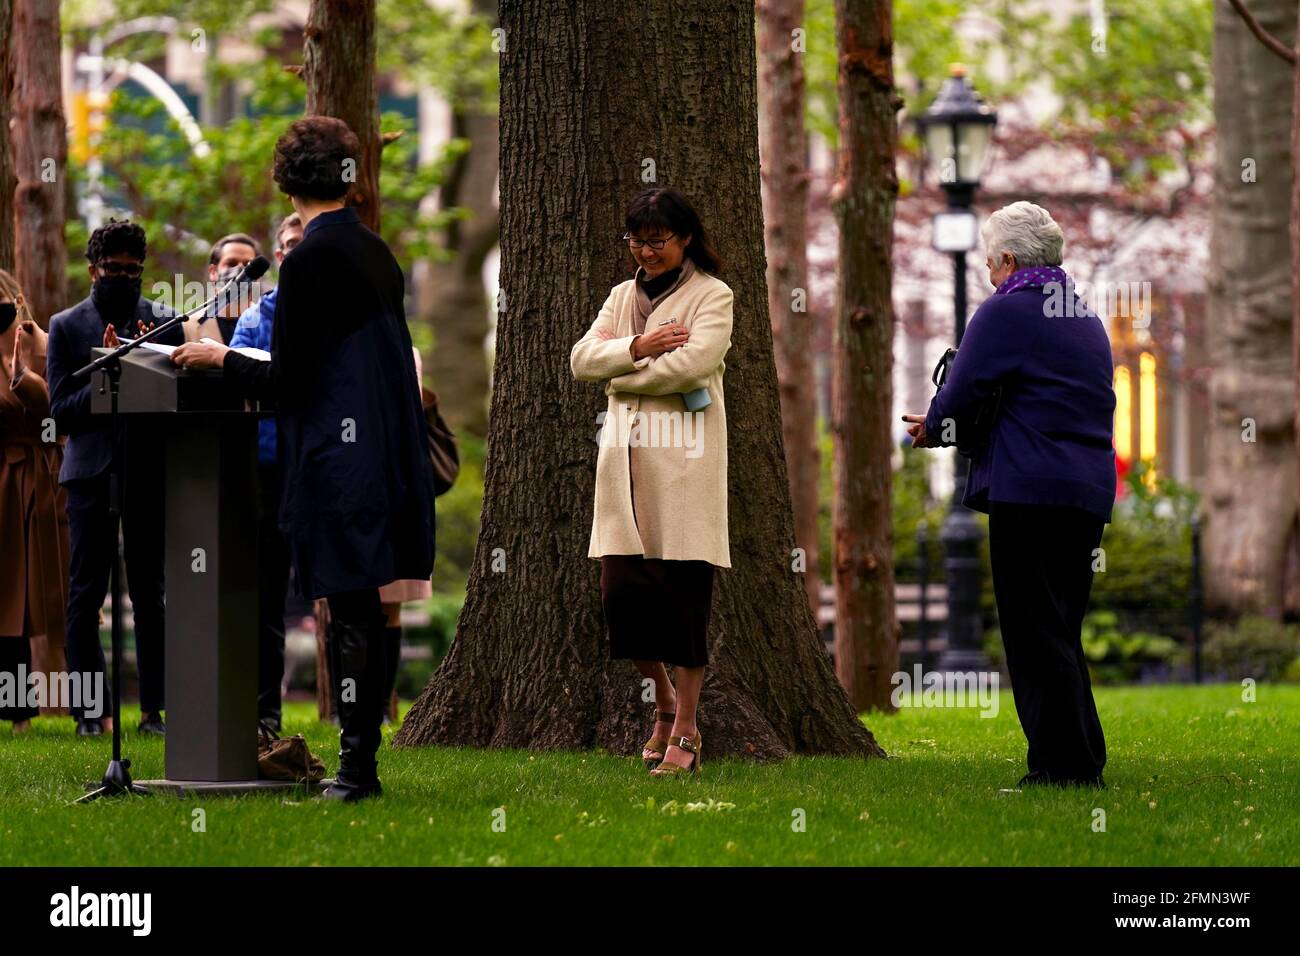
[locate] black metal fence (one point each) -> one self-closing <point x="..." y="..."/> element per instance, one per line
<point x="1131" y="611"/>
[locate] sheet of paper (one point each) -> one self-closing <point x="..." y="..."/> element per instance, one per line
<point x="158" y="347"/>
<point x="260" y="354"/>
<point x="248" y="351"/>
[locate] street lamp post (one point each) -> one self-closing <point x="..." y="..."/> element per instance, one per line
<point x="958" y="129"/>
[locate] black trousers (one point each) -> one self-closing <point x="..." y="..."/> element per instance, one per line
<point x="272" y="586"/>
<point x="1042" y="560"/>
<point x="94" y="548"/>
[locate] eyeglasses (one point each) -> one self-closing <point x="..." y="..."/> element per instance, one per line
<point x="656" y="244"/>
<point x="130" y="269"/>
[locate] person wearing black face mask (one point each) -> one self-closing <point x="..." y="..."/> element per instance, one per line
<point x="114" y="309"/>
<point x="228" y="256"/>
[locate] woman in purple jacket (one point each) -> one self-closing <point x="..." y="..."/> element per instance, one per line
<point x="1045" y="476"/>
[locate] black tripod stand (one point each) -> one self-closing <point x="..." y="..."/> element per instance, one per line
<point x="117" y="778"/>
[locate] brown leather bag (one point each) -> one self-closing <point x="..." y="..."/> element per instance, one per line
<point x="286" y="758"/>
<point x="442" y="445"/>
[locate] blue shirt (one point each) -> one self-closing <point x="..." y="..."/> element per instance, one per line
<point x="1052" y="437"/>
<point x="254" y="331"/>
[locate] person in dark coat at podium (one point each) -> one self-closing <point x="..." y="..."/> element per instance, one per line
<point x="357" y="499"/>
<point x="115" y="309"/>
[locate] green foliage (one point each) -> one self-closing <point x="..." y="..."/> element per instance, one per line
<point x="925" y="42"/>
<point x="1147" y="550"/>
<point x="913" y="504"/>
<point x="1152" y="80"/>
<point x="1257" y="647"/>
<point x="185" y="201"/>
<point x="1114" y="656"/>
<point x="458" y="513"/>
<point x="1147" y="76"/>
<point x="449" y="51"/>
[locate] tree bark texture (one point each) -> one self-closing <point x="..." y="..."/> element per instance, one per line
<point x="339" y="69"/>
<point x="783" y="149"/>
<point x="866" y="639"/>
<point x="1251" y="462"/>
<point x="40" y="155"/>
<point x="7" y="183"/>
<point x="598" y="101"/>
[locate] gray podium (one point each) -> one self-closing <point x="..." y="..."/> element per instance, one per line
<point x="211" y="566"/>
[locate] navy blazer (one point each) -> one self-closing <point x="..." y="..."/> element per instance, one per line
<point x="73" y="333"/>
<point x="1052" y="438"/>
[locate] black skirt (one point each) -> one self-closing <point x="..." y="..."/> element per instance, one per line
<point x="657" y="610"/>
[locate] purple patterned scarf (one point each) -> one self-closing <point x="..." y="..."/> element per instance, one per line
<point x="1034" y="277"/>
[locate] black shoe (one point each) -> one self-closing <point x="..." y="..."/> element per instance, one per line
<point x="361" y="654"/>
<point x="270" y="722"/>
<point x="348" y="792"/>
<point x="153" y="726"/>
<point x="1039" y="779"/>
<point x="90" y="727"/>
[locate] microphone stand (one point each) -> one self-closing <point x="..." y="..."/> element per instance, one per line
<point x="117" y="778"/>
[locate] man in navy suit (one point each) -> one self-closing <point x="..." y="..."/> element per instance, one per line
<point x="115" y="308"/>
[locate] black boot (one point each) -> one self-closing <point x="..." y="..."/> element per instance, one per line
<point x="362" y="660"/>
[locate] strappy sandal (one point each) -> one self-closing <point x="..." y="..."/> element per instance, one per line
<point x="691" y="746"/>
<point x="657" y="744"/>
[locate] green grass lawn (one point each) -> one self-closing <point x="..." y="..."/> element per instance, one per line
<point x="1197" y="777"/>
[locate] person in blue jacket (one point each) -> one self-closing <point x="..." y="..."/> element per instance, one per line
<point x="253" y="330"/>
<point x="351" y="439"/>
<point x="1045" y="476"/>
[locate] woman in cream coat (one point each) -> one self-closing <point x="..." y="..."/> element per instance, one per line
<point x="660" y="519"/>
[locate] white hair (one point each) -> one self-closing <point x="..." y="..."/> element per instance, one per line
<point x="1026" y="231"/>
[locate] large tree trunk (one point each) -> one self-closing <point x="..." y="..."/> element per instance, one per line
<point x="339" y="69"/>
<point x="1251" y="479"/>
<point x="866" y="641"/>
<point x="458" y="308"/>
<point x="6" y="158"/>
<point x="783" y="148"/>
<point x="40" y="154"/>
<point x="592" y="93"/>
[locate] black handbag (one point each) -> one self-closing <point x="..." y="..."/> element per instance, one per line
<point x="973" y="434"/>
<point x="442" y="445"/>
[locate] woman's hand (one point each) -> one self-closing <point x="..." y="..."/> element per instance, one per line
<point x="11" y="365"/>
<point x="200" y="355"/>
<point x="28" y="341"/>
<point x="663" y="339"/>
<point x="111" y="341"/>
<point x="917" y="430"/>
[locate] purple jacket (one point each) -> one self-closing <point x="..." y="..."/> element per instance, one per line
<point x="1052" y="441"/>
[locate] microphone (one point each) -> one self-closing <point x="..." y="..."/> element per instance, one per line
<point x="254" y="270"/>
<point x="249" y="273"/>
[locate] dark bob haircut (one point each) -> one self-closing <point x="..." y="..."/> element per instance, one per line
<point x="311" y="156"/>
<point x="114" y="236"/>
<point x="667" y="210"/>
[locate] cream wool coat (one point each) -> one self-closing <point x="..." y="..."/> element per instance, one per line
<point x="674" y="460"/>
